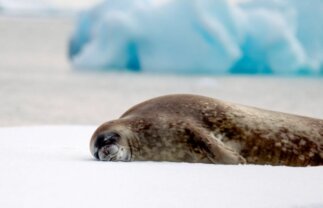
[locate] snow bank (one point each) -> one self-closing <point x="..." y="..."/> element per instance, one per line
<point x="201" y="36"/>
<point x="52" y="167"/>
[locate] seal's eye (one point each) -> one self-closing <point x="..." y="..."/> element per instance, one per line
<point x="106" y="139"/>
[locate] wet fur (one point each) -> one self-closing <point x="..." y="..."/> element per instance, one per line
<point x="191" y="128"/>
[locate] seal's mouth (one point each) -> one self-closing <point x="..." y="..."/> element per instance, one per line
<point x="113" y="152"/>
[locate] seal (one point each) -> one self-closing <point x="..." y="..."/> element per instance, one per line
<point x="198" y="129"/>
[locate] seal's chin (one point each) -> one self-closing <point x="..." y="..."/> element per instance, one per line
<point x="113" y="152"/>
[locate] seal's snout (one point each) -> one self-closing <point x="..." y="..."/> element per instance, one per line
<point x="103" y="141"/>
<point x="109" y="146"/>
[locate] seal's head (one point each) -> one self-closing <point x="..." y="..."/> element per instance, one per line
<point x="109" y="143"/>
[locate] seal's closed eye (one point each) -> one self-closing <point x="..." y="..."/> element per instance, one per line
<point x="106" y="139"/>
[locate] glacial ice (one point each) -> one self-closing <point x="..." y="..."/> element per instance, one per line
<point x="201" y="36"/>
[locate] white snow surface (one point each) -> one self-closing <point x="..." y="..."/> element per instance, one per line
<point x="51" y="166"/>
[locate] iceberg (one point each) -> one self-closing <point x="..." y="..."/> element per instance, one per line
<point x="201" y="36"/>
<point x="44" y="8"/>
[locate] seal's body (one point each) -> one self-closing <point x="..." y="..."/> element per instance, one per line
<point x="191" y="128"/>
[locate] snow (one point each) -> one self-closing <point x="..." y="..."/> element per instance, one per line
<point x="51" y="166"/>
<point x="201" y="36"/>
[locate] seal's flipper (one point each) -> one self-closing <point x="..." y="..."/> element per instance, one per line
<point x="215" y="150"/>
<point x="223" y="154"/>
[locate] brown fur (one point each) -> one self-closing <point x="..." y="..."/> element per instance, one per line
<point x="193" y="128"/>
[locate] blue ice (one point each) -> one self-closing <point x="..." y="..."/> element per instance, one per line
<point x="201" y="36"/>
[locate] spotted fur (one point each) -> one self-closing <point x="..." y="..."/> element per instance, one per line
<point x="192" y="128"/>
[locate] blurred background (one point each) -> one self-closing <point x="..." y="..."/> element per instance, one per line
<point x="88" y="61"/>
